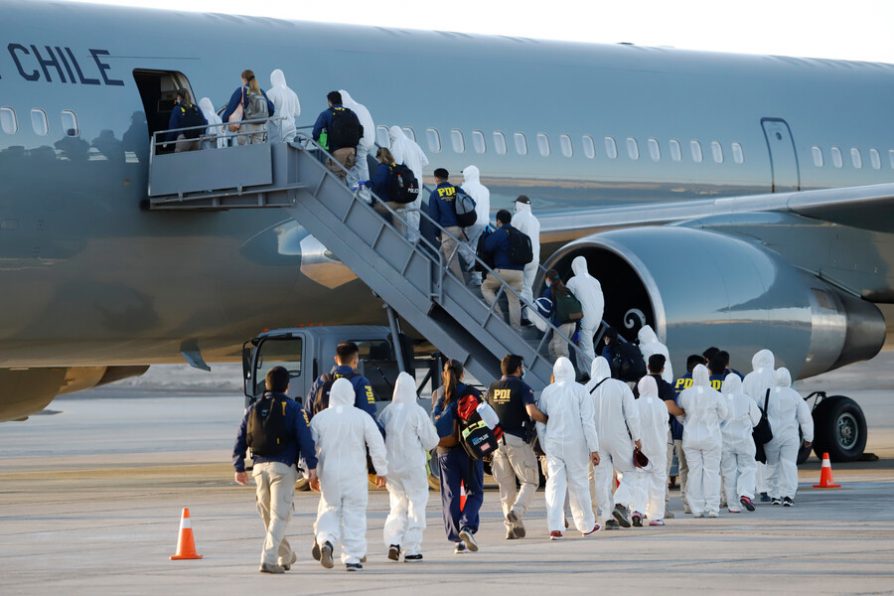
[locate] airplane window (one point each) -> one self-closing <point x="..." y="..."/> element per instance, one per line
<point x="382" y="137"/>
<point x="611" y="148"/>
<point x="817" y="156"/>
<point x="543" y="144"/>
<point x="875" y="159"/>
<point x="410" y="133"/>
<point x="500" y="143"/>
<point x="521" y="143"/>
<point x="676" y="153"/>
<point x="696" y="148"/>
<point x="856" y="158"/>
<point x="8" y="121"/>
<point x="565" y="145"/>
<point x="632" y="148"/>
<point x="589" y="146"/>
<point x="70" y="123"/>
<point x="39" y="122"/>
<point x="836" y="157"/>
<point x="434" y="140"/>
<point x="738" y="154"/>
<point x="478" y="141"/>
<point x="458" y="141"/>
<point x="717" y="152"/>
<point x="654" y="150"/>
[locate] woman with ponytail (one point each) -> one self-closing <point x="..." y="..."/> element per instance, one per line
<point x="248" y="102"/>
<point x="456" y="467"/>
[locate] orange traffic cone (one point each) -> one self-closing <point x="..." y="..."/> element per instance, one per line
<point x="186" y="544"/>
<point x="462" y="496"/>
<point x="826" y="474"/>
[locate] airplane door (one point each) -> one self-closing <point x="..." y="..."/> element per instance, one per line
<point x="783" y="158"/>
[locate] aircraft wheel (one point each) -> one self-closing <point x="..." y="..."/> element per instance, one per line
<point x="840" y="429"/>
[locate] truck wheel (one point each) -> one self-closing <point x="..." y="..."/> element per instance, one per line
<point x="840" y="429"/>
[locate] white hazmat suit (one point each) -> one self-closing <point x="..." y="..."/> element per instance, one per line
<point x="787" y="412"/>
<point x="286" y="108"/>
<point x="588" y="291"/>
<point x="342" y="434"/>
<point x="406" y="151"/>
<point x="409" y="436"/>
<point x="216" y="134"/>
<point x="761" y="379"/>
<point x="360" y="171"/>
<point x="525" y="222"/>
<point x="649" y="345"/>
<point x="618" y="425"/>
<point x="568" y="440"/>
<point x="737" y="463"/>
<point x="653" y="418"/>
<point x="703" y="442"/>
<point x="473" y="187"/>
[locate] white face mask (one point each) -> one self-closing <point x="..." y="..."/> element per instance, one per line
<point x="549" y="283"/>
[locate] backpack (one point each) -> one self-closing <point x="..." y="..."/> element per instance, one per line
<point x="478" y="439"/>
<point x="321" y="397"/>
<point x="254" y="106"/>
<point x="190" y="117"/>
<point x="464" y="207"/>
<point x="628" y="364"/>
<point x="520" y="250"/>
<point x="403" y="187"/>
<point x="267" y="434"/>
<point x="568" y="307"/>
<point x="762" y="433"/>
<point x="345" y="131"/>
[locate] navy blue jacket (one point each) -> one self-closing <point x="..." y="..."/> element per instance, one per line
<point x="681" y="384"/>
<point x="236" y="99"/>
<point x="441" y="205"/>
<point x="378" y="182"/>
<point x="174" y="122"/>
<point x="364" y="398"/>
<point x="497" y="245"/>
<point x="300" y="445"/>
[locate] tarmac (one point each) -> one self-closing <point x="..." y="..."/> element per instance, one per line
<point x="90" y="499"/>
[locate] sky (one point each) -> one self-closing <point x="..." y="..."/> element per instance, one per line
<point x="838" y="29"/>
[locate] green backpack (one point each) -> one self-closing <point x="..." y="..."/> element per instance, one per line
<point x="568" y="307"/>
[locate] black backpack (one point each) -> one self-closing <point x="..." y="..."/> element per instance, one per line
<point x="403" y="187"/>
<point x="628" y="364"/>
<point x="464" y="207"/>
<point x="477" y="439"/>
<point x="762" y="433"/>
<point x="346" y="130"/>
<point x="321" y="397"/>
<point x="520" y="250"/>
<point x="190" y="117"/>
<point x="568" y="307"/>
<point x="267" y="433"/>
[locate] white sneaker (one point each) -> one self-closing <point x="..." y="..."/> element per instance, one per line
<point x="713" y="515"/>
<point x="469" y="540"/>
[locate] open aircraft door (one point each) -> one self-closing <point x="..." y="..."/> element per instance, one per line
<point x="786" y="176"/>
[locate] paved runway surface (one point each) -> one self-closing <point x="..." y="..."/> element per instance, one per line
<point x="90" y="501"/>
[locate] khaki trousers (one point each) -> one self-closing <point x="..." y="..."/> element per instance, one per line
<point x="449" y="247"/>
<point x="275" y="487"/>
<point x="515" y="460"/>
<point x="489" y="288"/>
<point x="347" y="157"/>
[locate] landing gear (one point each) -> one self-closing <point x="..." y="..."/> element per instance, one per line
<point x="839" y="427"/>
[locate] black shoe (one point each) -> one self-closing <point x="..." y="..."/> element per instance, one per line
<point x="394" y="552"/>
<point x="411" y="558"/>
<point x="315" y="551"/>
<point x="326" y="556"/>
<point x="459" y="549"/>
<point x="765" y="498"/>
<point x="776" y="501"/>
<point x="620" y="514"/>
<point x="353" y="567"/>
<point x="468" y="539"/>
<point x="612" y="525"/>
<point x="788" y="502"/>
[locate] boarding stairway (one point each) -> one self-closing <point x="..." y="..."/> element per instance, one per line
<point x="410" y="277"/>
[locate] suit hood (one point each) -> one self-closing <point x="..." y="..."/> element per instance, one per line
<point x="404" y="390"/>
<point x="346" y="99"/>
<point x="523" y="208"/>
<point x="397" y="134"/>
<point x="471" y="175"/>
<point x="579" y="266"/>
<point x="783" y="377"/>
<point x="341" y="394"/>
<point x="207" y="109"/>
<point x="277" y="79"/>
<point x="763" y="359"/>
<point x="701" y="376"/>
<point x="647" y="335"/>
<point x="563" y="370"/>
<point x="600" y="369"/>
<point x="648" y="387"/>
<point x="732" y="385"/>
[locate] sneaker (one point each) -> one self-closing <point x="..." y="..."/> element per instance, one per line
<point x="267" y="568"/>
<point x="776" y="501"/>
<point x="712" y="515"/>
<point x="518" y="528"/>
<point x="326" y="555"/>
<point x="612" y="525"/>
<point x="668" y="515"/>
<point x="353" y="567"/>
<point x="620" y="514"/>
<point x="637" y="519"/>
<point x="394" y="552"/>
<point x="595" y="529"/>
<point x="765" y="498"/>
<point x="459" y="549"/>
<point x="412" y="558"/>
<point x="555" y="535"/>
<point x="687" y="511"/>
<point x="746" y="503"/>
<point x="656" y="523"/>
<point x="788" y="502"/>
<point x="292" y="560"/>
<point x="734" y="510"/>
<point x="699" y="515"/>
<point x="315" y="551"/>
<point x="468" y="539"/>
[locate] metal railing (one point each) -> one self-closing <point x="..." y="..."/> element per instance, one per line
<point x="171" y="136"/>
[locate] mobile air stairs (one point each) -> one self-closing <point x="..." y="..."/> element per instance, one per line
<point x="409" y="276"/>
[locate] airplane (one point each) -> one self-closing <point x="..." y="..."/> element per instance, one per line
<point x="738" y="201"/>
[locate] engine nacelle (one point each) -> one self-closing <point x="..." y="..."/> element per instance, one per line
<point x="699" y="289"/>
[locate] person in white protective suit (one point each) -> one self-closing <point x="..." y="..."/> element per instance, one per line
<point x="787" y="412"/>
<point x="618" y="426"/>
<point x="525" y="222"/>
<point x="757" y="383"/>
<point x="703" y="442"/>
<point x="570" y="444"/>
<point x="342" y="434"/>
<point x="409" y="436"/>
<point x="649" y="344"/>
<point x="653" y="418"/>
<point x="588" y="291"/>
<point x="215" y="133"/>
<point x="737" y="465"/>
<point x="286" y="110"/>
<point x="360" y="171"/>
<point x="406" y="151"/>
<point x="473" y="187"/>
